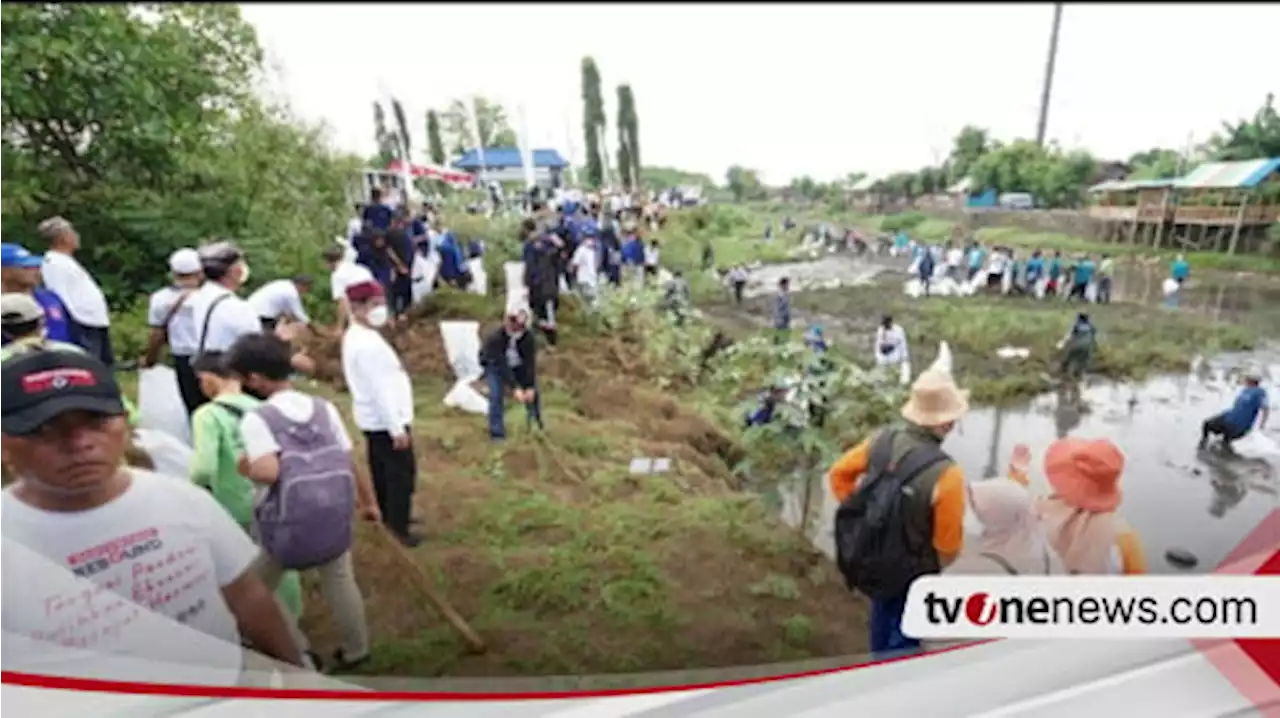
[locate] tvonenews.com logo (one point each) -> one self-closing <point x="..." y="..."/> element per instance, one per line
<point x="1085" y="606"/>
<point x="983" y="609"/>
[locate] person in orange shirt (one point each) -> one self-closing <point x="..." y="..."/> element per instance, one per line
<point x="1080" y="516"/>
<point x="927" y="520"/>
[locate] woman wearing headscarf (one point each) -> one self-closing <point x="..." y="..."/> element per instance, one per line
<point x="1012" y="540"/>
<point x="1080" y="518"/>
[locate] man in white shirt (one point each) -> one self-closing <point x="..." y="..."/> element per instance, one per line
<point x="145" y="546"/>
<point x="77" y="289"/>
<point x="355" y="225"/>
<point x="171" y="319"/>
<point x="343" y="272"/>
<point x="281" y="299"/>
<point x="891" y="343"/>
<point x="382" y="402"/>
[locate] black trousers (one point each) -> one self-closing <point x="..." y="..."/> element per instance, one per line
<point x="1217" y="425"/>
<point x="97" y="342"/>
<point x="188" y="385"/>
<point x="737" y="291"/>
<point x="401" y="294"/>
<point x="544" y="311"/>
<point x="394" y="475"/>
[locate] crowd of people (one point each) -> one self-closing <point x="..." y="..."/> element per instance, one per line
<point x="273" y="487"/>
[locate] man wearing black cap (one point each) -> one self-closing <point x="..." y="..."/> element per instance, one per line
<point x="141" y="539"/>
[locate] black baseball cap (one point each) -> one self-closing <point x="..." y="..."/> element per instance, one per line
<point x="39" y="386"/>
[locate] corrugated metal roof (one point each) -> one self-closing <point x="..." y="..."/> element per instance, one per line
<point x="1230" y="175"/>
<point x="864" y="184"/>
<point x="1127" y="185"/>
<point x="508" y="157"/>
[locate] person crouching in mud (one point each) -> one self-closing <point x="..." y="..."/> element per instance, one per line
<point x="1236" y="423"/>
<point x="1078" y="347"/>
<point x="767" y="404"/>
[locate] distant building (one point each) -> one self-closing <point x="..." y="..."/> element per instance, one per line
<point x="503" y="164"/>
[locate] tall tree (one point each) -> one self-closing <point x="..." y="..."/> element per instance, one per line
<point x="495" y="125"/>
<point x="593" y="121"/>
<point x="743" y="183"/>
<point x="383" y="136"/>
<point x="628" y="154"/>
<point x="631" y="128"/>
<point x="1249" y="139"/>
<point x="402" y="127"/>
<point x="435" y="146"/>
<point x="968" y="147"/>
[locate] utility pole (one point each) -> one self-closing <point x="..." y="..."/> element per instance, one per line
<point x="1048" y="75"/>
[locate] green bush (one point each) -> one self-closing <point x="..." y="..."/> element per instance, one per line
<point x="904" y="222"/>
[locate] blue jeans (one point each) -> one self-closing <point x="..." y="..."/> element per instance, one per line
<point x="497" y="406"/>
<point x="886" y="626"/>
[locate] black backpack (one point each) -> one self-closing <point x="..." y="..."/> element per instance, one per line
<point x="873" y="549"/>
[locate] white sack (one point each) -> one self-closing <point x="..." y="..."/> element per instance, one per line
<point x="1091" y="292"/>
<point x="1042" y="286"/>
<point x="943" y="362"/>
<point x="517" y="293"/>
<point x="904" y="375"/>
<point x="1170" y="287"/>
<point x="1006" y="284"/>
<point x="423" y="273"/>
<point x="171" y="457"/>
<point x="160" y="405"/>
<point x="462" y="346"/>
<point x="479" y="280"/>
<point x="1256" y="445"/>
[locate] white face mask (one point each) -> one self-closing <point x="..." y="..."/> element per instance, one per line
<point x="377" y="317"/>
<point x="244" y="272"/>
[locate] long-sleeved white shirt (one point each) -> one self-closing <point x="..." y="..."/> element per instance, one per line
<point x="77" y="289"/>
<point x="278" y="298"/>
<point x="584" y="264"/>
<point x="381" y="393"/>
<point x="894" y="338"/>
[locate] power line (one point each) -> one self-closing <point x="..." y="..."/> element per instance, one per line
<point x="1048" y="75"/>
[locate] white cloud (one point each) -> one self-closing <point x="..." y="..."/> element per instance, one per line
<point x="788" y="89"/>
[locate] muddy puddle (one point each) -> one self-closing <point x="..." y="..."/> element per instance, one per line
<point x="1175" y="496"/>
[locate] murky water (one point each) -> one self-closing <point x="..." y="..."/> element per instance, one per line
<point x="1175" y="495"/>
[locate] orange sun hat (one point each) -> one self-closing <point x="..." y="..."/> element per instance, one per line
<point x="1085" y="473"/>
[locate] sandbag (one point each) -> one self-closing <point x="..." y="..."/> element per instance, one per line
<point x="1170" y="287"/>
<point x="479" y="279"/>
<point x="171" y="457"/>
<point x="1006" y="283"/>
<point x="423" y="273"/>
<point x="1256" y="445"/>
<point x="904" y="373"/>
<point x="160" y="405"/>
<point x="1042" y="286"/>
<point x="517" y="293"/>
<point x="943" y="362"/>
<point x="462" y="346"/>
<point x="1091" y="292"/>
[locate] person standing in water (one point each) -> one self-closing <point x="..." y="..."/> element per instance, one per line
<point x="1078" y="347"/>
<point x="1236" y="422"/>
<point x="1080" y="279"/>
<point x="1106" y="269"/>
<point x="1180" y="270"/>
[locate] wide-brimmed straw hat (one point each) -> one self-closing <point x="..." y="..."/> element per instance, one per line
<point x="1085" y="473"/>
<point x="935" y="400"/>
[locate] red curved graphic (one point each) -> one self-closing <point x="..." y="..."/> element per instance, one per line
<point x="92" y="685"/>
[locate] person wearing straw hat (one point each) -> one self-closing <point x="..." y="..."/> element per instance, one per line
<point x="1236" y="423"/>
<point x="901" y="492"/>
<point x="1080" y="516"/>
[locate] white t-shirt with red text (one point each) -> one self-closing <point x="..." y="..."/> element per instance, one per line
<point x="100" y="592"/>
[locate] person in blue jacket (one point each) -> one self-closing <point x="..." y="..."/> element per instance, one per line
<point x="1035" y="270"/>
<point x="453" y="264"/>
<point x="1055" y="274"/>
<point x="1180" y="269"/>
<point x="633" y="252"/>
<point x="1236" y="423"/>
<point x="767" y="404"/>
<point x="20" y="272"/>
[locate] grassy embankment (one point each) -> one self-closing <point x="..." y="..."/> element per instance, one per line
<point x="564" y="561"/>
<point x="921" y="226"/>
<point x="1135" y="341"/>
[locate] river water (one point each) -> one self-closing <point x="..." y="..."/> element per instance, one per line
<point x="1176" y="496"/>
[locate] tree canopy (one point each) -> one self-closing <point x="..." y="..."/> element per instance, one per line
<point x="140" y="124"/>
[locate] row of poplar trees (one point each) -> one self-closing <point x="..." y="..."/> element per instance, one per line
<point x="594" y="121"/>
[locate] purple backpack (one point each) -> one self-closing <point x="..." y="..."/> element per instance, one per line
<point x="305" y="518"/>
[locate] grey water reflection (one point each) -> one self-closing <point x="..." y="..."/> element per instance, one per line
<point x="1175" y="495"/>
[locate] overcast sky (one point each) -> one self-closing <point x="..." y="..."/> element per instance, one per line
<point x="787" y="89"/>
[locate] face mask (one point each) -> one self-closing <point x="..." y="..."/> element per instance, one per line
<point x="377" y="317"/>
<point x="244" y="272"/>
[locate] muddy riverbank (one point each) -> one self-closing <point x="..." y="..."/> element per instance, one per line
<point x="1176" y="496"/>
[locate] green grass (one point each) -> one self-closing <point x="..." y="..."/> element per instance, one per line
<point x="1134" y="341"/>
